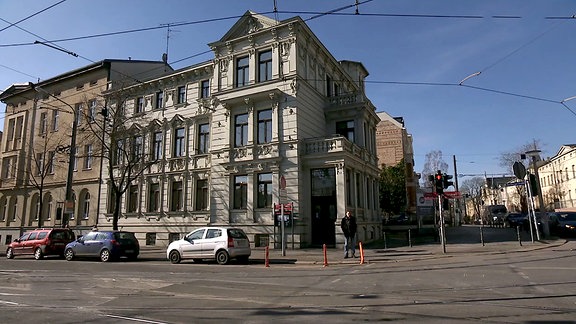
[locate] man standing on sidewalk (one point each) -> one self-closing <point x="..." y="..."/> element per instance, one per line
<point x="348" y="226"/>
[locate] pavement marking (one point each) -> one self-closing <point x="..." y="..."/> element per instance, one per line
<point x="135" y="319"/>
<point x="5" y="302"/>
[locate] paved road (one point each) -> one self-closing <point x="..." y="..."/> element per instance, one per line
<point x="475" y="284"/>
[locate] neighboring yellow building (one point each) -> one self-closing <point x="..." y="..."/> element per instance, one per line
<point x="36" y="151"/>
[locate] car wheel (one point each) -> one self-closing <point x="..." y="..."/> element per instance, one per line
<point x="69" y="255"/>
<point x="175" y="256"/>
<point x="38" y="254"/>
<point x="105" y="255"/>
<point x="9" y="253"/>
<point x="222" y="257"/>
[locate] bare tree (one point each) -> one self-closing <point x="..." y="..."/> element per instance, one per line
<point x="472" y="190"/>
<point x="434" y="162"/>
<point x="122" y="146"/>
<point x="507" y="159"/>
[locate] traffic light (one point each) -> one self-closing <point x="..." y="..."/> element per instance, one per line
<point x="438" y="183"/>
<point x="446" y="181"/>
<point x="533" y="184"/>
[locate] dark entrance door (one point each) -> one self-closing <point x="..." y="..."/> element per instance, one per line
<point x="323" y="213"/>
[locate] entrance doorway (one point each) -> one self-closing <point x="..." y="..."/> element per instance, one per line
<point x="323" y="182"/>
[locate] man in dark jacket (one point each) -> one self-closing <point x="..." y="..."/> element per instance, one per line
<point x="348" y="226"/>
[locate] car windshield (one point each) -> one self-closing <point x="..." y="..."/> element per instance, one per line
<point x="567" y="216"/>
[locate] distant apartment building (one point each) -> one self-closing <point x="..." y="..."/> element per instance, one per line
<point x="558" y="179"/>
<point x="394" y="144"/>
<point x="273" y="118"/>
<point x="36" y="150"/>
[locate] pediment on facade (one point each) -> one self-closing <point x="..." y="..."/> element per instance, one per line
<point x="250" y="22"/>
<point x="565" y="149"/>
<point x="177" y="119"/>
<point x="155" y="124"/>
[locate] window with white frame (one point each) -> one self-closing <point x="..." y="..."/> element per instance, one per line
<point x="201" y="194"/>
<point x="137" y="148"/>
<point x="43" y="123"/>
<point x="159" y="100"/>
<point x="88" y="156"/>
<point x="55" y="119"/>
<point x="346" y="129"/>
<point x="203" y="138"/>
<point x="242" y="72"/>
<point x="51" y="160"/>
<point x="240" y="130"/>
<point x="240" y="191"/>
<point x="181" y="95"/>
<point x="133" y="198"/>
<point x="139" y="106"/>
<point x="264" y="190"/>
<point x="205" y="89"/>
<point x="79" y="111"/>
<point x="91" y="116"/>
<point x="176" y="196"/>
<point x="75" y="160"/>
<point x="157" y="145"/>
<point x="154" y="197"/>
<point x="86" y="206"/>
<point x="39" y="163"/>
<point x="265" y="66"/>
<point x="179" y="142"/>
<point x="264" y="126"/>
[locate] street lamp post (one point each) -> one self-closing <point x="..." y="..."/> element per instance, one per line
<point x="534" y="154"/>
<point x="69" y="204"/>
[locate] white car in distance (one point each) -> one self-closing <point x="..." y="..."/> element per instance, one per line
<point x="217" y="243"/>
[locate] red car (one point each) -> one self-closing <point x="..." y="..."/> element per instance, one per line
<point x="41" y="242"/>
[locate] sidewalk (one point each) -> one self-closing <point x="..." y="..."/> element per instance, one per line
<point x="371" y="255"/>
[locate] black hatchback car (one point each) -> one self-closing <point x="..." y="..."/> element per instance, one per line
<point x="105" y="245"/>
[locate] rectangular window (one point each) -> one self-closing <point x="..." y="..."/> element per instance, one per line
<point x="205" y="89"/>
<point x="242" y="72"/>
<point x="159" y="100"/>
<point x="265" y="190"/>
<point x="265" y="66"/>
<point x="264" y="126"/>
<point x="154" y="197"/>
<point x="201" y="194"/>
<point x="51" y="160"/>
<point x="241" y="130"/>
<point x="91" y="111"/>
<point x="6" y="166"/>
<point x="118" y="157"/>
<point x="75" y="154"/>
<point x="240" y="192"/>
<point x="88" y="156"/>
<point x="79" y="111"/>
<point x="346" y="129"/>
<point x="176" y="197"/>
<point x="181" y="94"/>
<point x="139" y="107"/>
<point x="157" y="146"/>
<point x="203" y="138"/>
<point x="43" y="123"/>
<point x="179" y="142"/>
<point x="133" y="199"/>
<point x="328" y="86"/>
<point x="55" y="119"/>
<point x="40" y="162"/>
<point x="137" y="147"/>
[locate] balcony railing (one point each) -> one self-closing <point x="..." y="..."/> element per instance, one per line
<point x="326" y="145"/>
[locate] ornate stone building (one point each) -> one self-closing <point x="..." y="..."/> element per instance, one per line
<point x="274" y="117"/>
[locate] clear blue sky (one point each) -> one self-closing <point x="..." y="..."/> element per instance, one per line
<point x="417" y="52"/>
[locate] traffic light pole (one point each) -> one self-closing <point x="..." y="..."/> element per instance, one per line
<point x="442" y="228"/>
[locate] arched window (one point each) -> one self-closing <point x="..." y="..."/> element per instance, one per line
<point x="86" y="206"/>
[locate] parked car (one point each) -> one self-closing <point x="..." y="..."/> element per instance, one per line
<point x="516" y="219"/>
<point x="563" y="223"/>
<point x="106" y="245"/>
<point x="41" y="242"/>
<point x="216" y="243"/>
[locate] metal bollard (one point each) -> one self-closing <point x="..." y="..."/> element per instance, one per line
<point x="519" y="236"/>
<point x="482" y="235"/>
<point x="385" y="243"/>
<point x="410" y="237"/>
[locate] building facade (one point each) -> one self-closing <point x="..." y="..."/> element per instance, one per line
<point x="273" y="118"/>
<point x="558" y="179"/>
<point x="35" y="156"/>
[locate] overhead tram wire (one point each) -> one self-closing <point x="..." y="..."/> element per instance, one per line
<point x="32" y="15"/>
